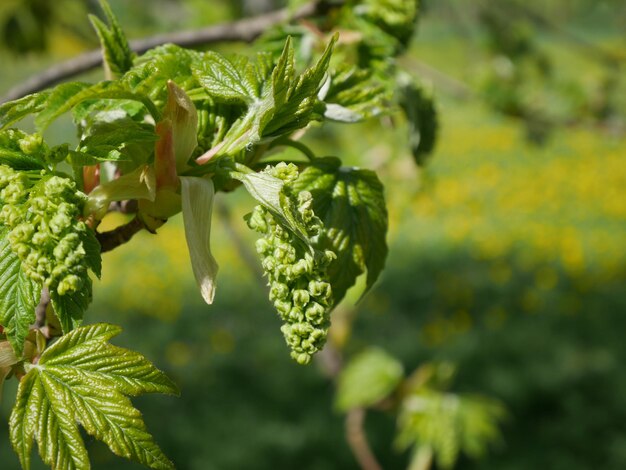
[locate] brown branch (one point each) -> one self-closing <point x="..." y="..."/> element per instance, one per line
<point x="120" y="235"/>
<point x="40" y="310"/>
<point x="358" y="441"/>
<point x="245" y="30"/>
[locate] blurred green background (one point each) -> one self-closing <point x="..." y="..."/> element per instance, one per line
<point x="506" y="258"/>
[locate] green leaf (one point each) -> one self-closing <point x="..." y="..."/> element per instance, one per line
<point x="82" y="379"/>
<point x="268" y="190"/>
<point x="117" y="54"/>
<point x="367" y="379"/>
<point x="18" y="109"/>
<point x="295" y="99"/>
<point x="121" y="139"/>
<point x="286" y="103"/>
<point x="197" y="205"/>
<point x="353" y="95"/>
<point x="419" y="107"/>
<point x="68" y="95"/>
<point x="225" y="80"/>
<point x="448" y="424"/>
<point x="18" y="160"/>
<point x="351" y="203"/>
<point x="70" y="308"/>
<point x="92" y="249"/>
<point x="19" y="295"/>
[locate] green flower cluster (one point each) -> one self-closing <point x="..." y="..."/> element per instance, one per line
<point x="41" y="212"/>
<point x="296" y="274"/>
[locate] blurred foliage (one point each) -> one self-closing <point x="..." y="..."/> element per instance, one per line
<point x="506" y="261"/>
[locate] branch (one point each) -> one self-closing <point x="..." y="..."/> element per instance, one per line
<point x="40" y="310"/>
<point x="120" y="235"/>
<point x="358" y="441"/>
<point x="246" y="30"/>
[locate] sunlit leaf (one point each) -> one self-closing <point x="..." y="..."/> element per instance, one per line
<point x="117" y="54"/>
<point x="66" y="96"/>
<point x="351" y="203"/>
<point x="82" y="379"/>
<point x="13" y="111"/>
<point x="19" y="295"/>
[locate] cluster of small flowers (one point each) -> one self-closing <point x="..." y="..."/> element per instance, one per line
<point x="301" y="296"/>
<point x="28" y="144"/>
<point x="41" y="213"/>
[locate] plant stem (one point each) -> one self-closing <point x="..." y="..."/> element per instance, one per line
<point x="120" y="235"/>
<point x="358" y="441"/>
<point x="40" y="310"/>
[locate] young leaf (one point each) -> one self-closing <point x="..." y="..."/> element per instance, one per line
<point x="183" y="117"/>
<point x="268" y="190"/>
<point x="84" y="379"/>
<point x="118" y="57"/>
<point x="295" y="99"/>
<point x="448" y="424"/>
<point x="70" y="308"/>
<point x="92" y="249"/>
<point x="287" y="103"/>
<point x="223" y="80"/>
<point x="19" y="295"/>
<point x="19" y="161"/>
<point x="353" y="95"/>
<point x="351" y="203"/>
<point x="15" y="110"/>
<point x="64" y="97"/>
<point x="197" y="204"/>
<point x="367" y="379"/>
<point x="121" y="139"/>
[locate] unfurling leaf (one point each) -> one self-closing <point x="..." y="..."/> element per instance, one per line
<point x="279" y="106"/>
<point x="183" y="119"/>
<point x="15" y="110"/>
<point x="68" y="95"/>
<point x="367" y="379"/>
<point x="117" y="54"/>
<point x="448" y="424"/>
<point x="82" y="379"/>
<point x="351" y="203"/>
<point x="197" y="203"/>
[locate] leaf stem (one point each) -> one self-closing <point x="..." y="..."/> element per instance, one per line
<point x="306" y="151"/>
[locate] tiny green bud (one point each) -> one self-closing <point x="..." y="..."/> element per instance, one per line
<point x="31" y="144"/>
<point x="279" y="291"/>
<point x="300" y="297"/>
<point x="319" y="289"/>
<point x="68" y="284"/>
<point x="315" y="313"/>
